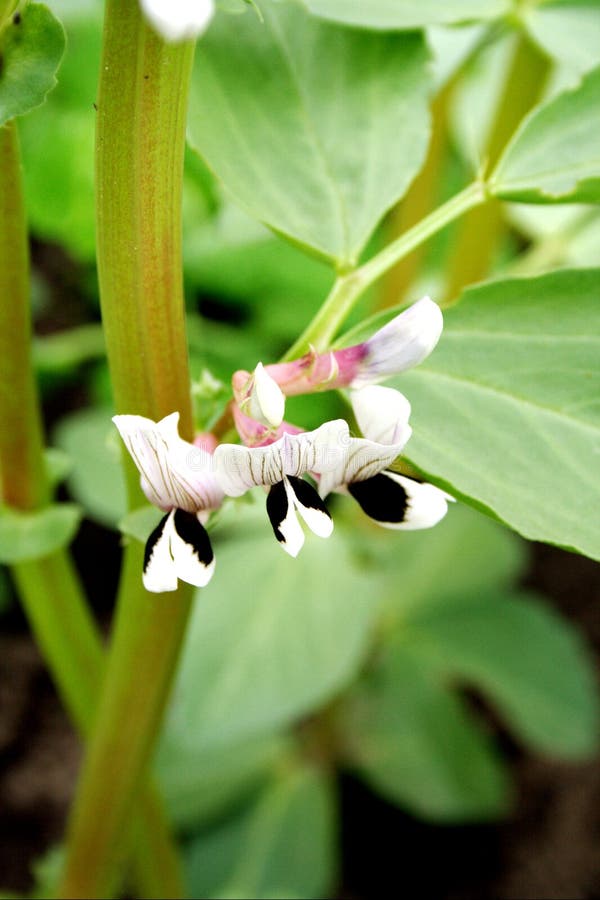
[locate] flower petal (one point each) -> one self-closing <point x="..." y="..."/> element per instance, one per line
<point x="254" y="434"/>
<point x="382" y="414"/>
<point x="240" y="468"/>
<point x="159" y="573"/>
<point x="266" y="402"/>
<point x="402" y="343"/>
<point x="178" y="20"/>
<point x="398" y="502"/>
<point x="174" y="473"/>
<point x="191" y="549"/>
<point x="311" y="507"/>
<point x="359" y="461"/>
<point x="282" y="513"/>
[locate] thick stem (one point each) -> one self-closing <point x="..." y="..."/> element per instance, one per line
<point x="142" y="109"/>
<point x="348" y="289"/>
<point x="49" y="588"/>
<point x="22" y="472"/>
<point x="481" y="231"/>
<point x="140" y="141"/>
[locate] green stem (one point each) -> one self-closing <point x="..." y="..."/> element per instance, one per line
<point x="140" y="142"/>
<point x="23" y="476"/>
<point x="6" y="11"/>
<point x="71" y="646"/>
<point x="481" y="231"/>
<point x="348" y="289"/>
<point x="64" y="630"/>
<point x="473" y="195"/>
<point x="49" y="588"/>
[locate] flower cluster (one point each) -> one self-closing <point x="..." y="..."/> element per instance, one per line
<point x="188" y="481"/>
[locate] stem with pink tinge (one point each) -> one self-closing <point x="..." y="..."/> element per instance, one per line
<point x="139" y="155"/>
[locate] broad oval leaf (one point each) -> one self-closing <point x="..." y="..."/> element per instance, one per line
<point x="271" y="637"/>
<point x="506" y="410"/>
<point x="400" y="14"/>
<point x="96" y="480"/>
<point x="301" y="141"/>
<point x="554" y="156"/>
<point x="524" y="657"/>
<point x="31" y="49"/>
<point x="465" y="554"/>
<point x="414" y="740"/>
<point x="283" y="845"/>
<point x="568" y="31"/>
<point x="30" y="535"/>
<point x="199" y="788"/>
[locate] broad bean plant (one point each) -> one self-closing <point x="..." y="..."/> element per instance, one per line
<point x="346" y="255"/>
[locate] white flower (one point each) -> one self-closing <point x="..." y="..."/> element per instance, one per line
<point x="280" y="466"/>
<point x="179" y="20"/>
<point x="265" y="402"/>
<point x="178" y="548"/>
<point x="401" y="344"/>
<point x="175" y="476"/>
<point x="396" y="501"/>
<point x="392" y="500"/>
<point x="382" y="414"/>
<point x="361" y="459"/>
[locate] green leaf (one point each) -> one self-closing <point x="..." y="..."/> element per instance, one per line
<point x="31" y="49"/>
<point x="271" y="637"/>
<point x="414" y="741"/>
<point x="64" y="351"/>
<point x="293" y="151"/>
<point x="58" y="142"/>
<point x="528" y="660"/>
<point x="474" y="104"/>
<point x="398" y="14"/>
<point x="139" y="523"/>
<point x="282" y="846"/>
<point x="451" y="48"/>
<point x="58" y="465"/>
<point x="236" y="257"/>
<point x="199" y="787"/>
<point x="506" y="408"/>
<point x="47" y="872"/>
<point x="30" y="535"/>
<point x="463" y="555"/>
<point x="568" y="31"/>
<point x="554" y="156"/>
<point x="96" y="479"/>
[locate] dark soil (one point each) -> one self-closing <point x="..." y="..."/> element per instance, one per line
<point x="548" y="849"/>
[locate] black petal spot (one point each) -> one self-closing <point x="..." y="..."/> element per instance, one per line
<point x="381" y="498"/>
<point x="153" y="540"/>
<point x="307" y="495"/>
<point x="277" y="508"/>
<point x="194" y="534"/>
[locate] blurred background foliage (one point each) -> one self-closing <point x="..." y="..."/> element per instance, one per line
<point x="366" y="653"/>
